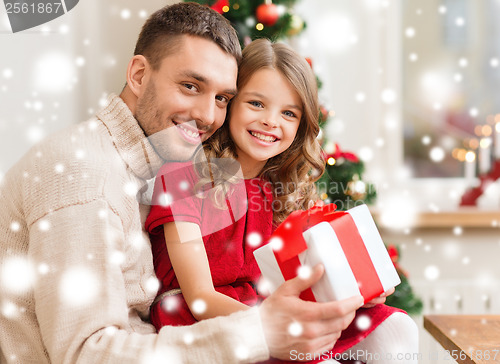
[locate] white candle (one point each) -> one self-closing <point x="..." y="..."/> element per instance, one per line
<point x="484" y="155"/>
<point x="497" y="140"/>
<point x="470" y="166"/>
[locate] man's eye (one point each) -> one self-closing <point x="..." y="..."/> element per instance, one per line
<point x="222" y="98"/>
<point x="189" y="86"/>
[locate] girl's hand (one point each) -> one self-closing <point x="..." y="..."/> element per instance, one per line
<point x="378" y="300"/>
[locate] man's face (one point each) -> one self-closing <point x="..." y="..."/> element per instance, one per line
<point x="185" y="100"/>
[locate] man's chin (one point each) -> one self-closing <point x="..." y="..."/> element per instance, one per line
<point x="176" y="154"/>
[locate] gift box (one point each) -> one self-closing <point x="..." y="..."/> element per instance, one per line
<point x="347" y="243"/>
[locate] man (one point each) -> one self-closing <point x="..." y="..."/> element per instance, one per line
<point x="77" y="276"/>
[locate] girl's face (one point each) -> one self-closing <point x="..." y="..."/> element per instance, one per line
<point x="264" y="118"/>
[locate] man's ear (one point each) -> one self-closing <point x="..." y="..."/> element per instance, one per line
<point x="138" y="69"/>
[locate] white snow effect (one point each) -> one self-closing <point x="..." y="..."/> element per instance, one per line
<point x="360" y="97"/>
<point x="458" y="77"/>
<point x="53" y="72"/>
<point x="399" y="210"/>
<point x="80" y="154"/>
<point x="463" y="62"/>
<point x="125" y="14"/>
<point x="18" y="275"/>
<point x="363" y="322"/>
<point x="276" y="244"/>
<point x="264" y="287"/>
<point x="413" y="57"/>
<point x="59" y="168"/>
<point x="102" y="213"/>
<point x="431" y="272"/>
<point x="426" y="140"/>
<point x="388" y="96"/>
<point x="188" y="338"/>
<point x="295" y="329"/>
<point x="64" y="29"/>
<point x="410" y="32"/>
<point x="15" y="226"/>
<point x="465" y="260"/>
<point x="457" y="230"/>
<point x="35" y="133"/>
<point x="437" y="154"/>
<point x="242" y="352"/>
<point x="459" y="22"/>
<point x="183" y="185"/>
<point x="366" y="154"/>
<point x="199" y="306"/>
<point x="7" y="73"/>
<point x="117" y="258"/>
<point x="80" y="61"/>
<point x="44" y="225"/>
<point x="160" y="355"/>
<point x="442" y="9"/>
<point x="473" y="112"/>
<point x="43" y="268"/>
<point x="304" y="272"/>
<point x="10" y="310"/>
<point x="111" y="330"/>
<point x="152" y="285"/>
<point x="79" y="286"/>
<point x="143" y="14"/>
<point x="165" y="199"/>
<point x="170" y="304"/>
<point x="254" y="239"/>
<point x="130" y="188"/>
<point x="494" y="62"/>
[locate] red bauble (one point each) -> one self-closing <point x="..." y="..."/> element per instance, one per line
<point x="219" y="5"/>
<point x="267" y="14"/>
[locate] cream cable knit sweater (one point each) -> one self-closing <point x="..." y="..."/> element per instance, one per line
<point x="76" y="272"/>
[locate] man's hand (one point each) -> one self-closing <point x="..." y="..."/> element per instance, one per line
<point x="304" y="327"/>
<point x="379" y="299"/>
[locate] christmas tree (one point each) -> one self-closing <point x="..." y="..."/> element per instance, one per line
<point x="254" y="19"/>
<point x="342" y="182"/>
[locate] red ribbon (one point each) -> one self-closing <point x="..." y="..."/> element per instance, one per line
<point x="293" y="243"/>
<point x="359" y="260"/>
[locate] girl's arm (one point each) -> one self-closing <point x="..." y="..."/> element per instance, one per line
<point x="190" y="262"/>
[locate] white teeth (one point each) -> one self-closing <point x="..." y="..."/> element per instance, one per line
<point x="191" y="133"/>
<point x="265" y="138"/>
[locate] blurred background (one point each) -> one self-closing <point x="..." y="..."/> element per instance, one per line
<point x="409" y="88"/>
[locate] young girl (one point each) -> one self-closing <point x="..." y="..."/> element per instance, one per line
<point x="206" y="221"/>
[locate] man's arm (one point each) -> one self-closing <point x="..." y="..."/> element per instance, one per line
<point x="81" y="301"/>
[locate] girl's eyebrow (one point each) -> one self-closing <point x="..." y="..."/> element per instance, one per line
<point x="259" y="95"/>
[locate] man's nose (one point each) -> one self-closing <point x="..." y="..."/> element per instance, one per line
<point x="205" y="111"/>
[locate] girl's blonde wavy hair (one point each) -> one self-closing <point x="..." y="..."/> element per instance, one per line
<point x="293" y="172"/>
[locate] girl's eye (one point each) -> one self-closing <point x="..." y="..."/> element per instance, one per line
<point x="289" y="113"/>
<point x="255" y="103"/>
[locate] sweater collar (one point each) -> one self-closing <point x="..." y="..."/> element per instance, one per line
<point x="129" y="139"/>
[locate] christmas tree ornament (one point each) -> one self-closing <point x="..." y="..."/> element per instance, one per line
<point x="296" y="25"/>
<point x="267" y="13"/>
<point x="221" y="6"/>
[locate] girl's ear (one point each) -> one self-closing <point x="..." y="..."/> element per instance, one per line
<point x="137" y="72"/>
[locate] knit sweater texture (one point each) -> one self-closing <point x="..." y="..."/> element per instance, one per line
<point x="76" y="272"/>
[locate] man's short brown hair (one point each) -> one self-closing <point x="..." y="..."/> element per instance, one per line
<point x="161" y="32"/>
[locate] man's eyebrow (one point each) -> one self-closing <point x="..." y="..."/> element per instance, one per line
<point x="203" y="79"/>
